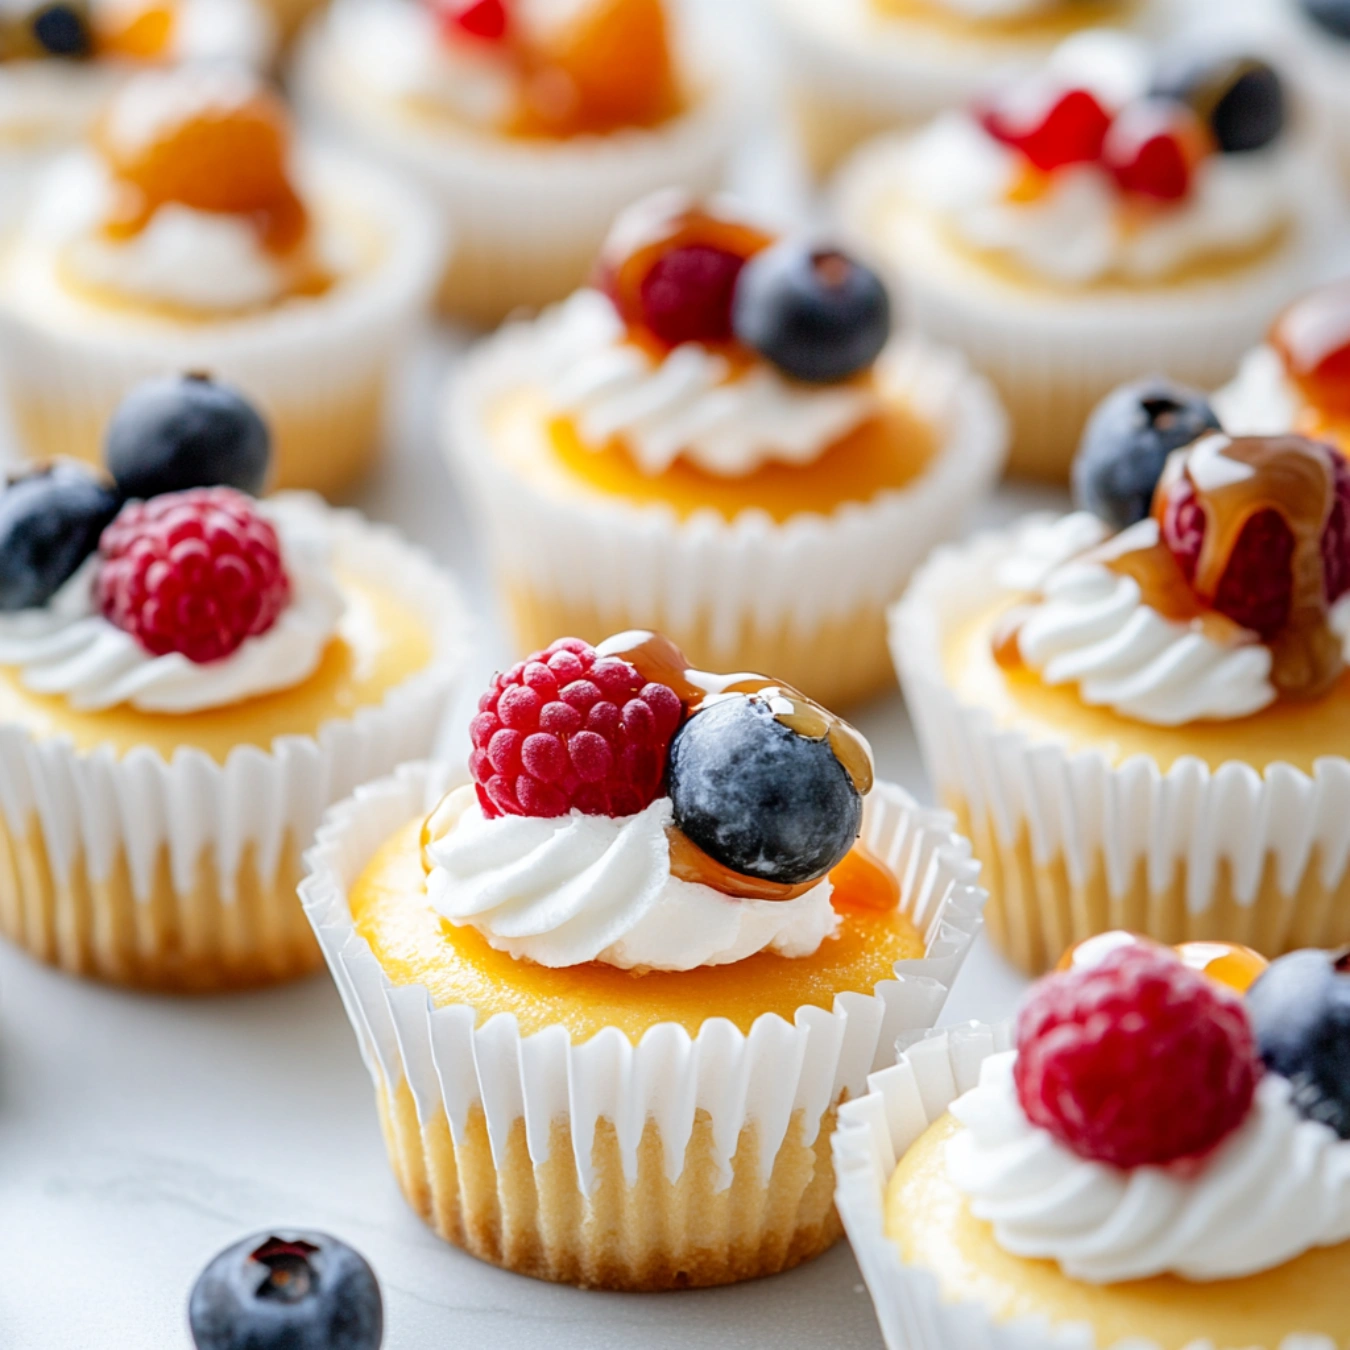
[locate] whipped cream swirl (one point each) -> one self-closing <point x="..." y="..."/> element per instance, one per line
<point x="577" y="888"/>
<point x="1078" y="230"/>
<point x="1092" y="628"/>
<point x="1277" y="1187"/>
<point x="67" y="647"/>
<point x="688" y="404"/>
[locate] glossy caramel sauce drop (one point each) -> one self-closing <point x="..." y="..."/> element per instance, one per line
<point x="136" y="33"/>
<point x="1312" y="338"/>
<point x="1226" y="963"/>
<point x="227" y="158"/>
<point x="609" y="68"/>
<point x="646" y="235"/>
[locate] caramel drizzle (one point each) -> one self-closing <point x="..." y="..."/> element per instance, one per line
<point x="659" y="661"/>
<point x="1233" y="481"/>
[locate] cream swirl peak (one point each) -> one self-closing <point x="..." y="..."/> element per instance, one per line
<point x="1093" y="628"/>
<point x="690" y="402"/>
<point x="68" y="648"/>
<point x="570" y="889"/>
<point x="1084" y="176"/>
<point x="1275" y="1188"/>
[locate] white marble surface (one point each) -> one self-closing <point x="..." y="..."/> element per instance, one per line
<point x="139" y="1135"/>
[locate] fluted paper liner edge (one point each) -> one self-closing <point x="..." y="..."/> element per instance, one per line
<point x="451" y="1063"/>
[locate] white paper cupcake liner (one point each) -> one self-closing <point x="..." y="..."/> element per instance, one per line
<point x="1073" y="844"/>
<point x="315" y="365"/>
<point x="874" y="1132"/>
<point x="528" y="217"/>
<point x="1054" y="353"/>
<point x="740" y="583"/>
<point x="97" y="811"/>
<point x="455" y="1065"/>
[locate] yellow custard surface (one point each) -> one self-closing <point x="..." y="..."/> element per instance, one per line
<point x="931" y="1224"/>
<point x="414" y="945"/>
<point x="885" y="453"/>
<point x="1290" y="731"/>
<point x="381" y="642"/>
<point x="1047" y="25"/>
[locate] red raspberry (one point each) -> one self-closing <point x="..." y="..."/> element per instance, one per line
<point x="486" y="19"/>
<point x="1052" y="127"/>
<point x="687" y="295"/>
<point x="192" y="572"/>
<point x="1257" y="587"/>
<point x="1153" y="148"/>
<point x="1138" y="1060"/>
<point x="567" y="730"/>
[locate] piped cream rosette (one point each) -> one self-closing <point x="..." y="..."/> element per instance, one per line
<point x="874" y="1133"/>
<point x="320" y="367"/>
<point x="180" y="873"/>
<point x="1074" y="844"/>
<point x="528" y="217"/>
<point x="668" y="1163"/>
<point x="804" y="598"/>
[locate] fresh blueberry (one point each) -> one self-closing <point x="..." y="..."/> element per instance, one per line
<point x="816" y="313"/>
<point x="1239" y="98"/>
<point x="287" y="1291"/>
<point x="181" y="432"/>
<point x="50" y="522"/>
<point x="1126" y="443"/>
<point x="1331" y="15"/>
<point x="757" y="797"/>
<point x="1300" y="1011"/>
<point x="63" y="29"/>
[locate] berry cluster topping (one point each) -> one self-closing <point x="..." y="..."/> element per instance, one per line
<point x="766" y="787"/>
<point x="1197" y="103"/>
<point x="192" y="572"/>
<point x="186" y="562"/>
<point x="566" y="730"/>
<point x="681" y="272"/>
<point x="287" y="1291"/>
<point x="1253" y="529"/>
<point x="1136" y="1060"/>
<point x="591" y="69"/>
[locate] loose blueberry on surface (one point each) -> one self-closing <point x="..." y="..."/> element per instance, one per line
<point x="1127" y="441"/>
<point x="287" y="1291"/>
<point x="1300" y="1010"/>
<point x="1239" y="98"/>
<point x="180" y="432"/>
<point x="63" y="30"/>
<point x="50" y="522"/>
<point x="814" y="312"/>
<point x="1331" y="15"/>
<point x="758" y="798"/>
